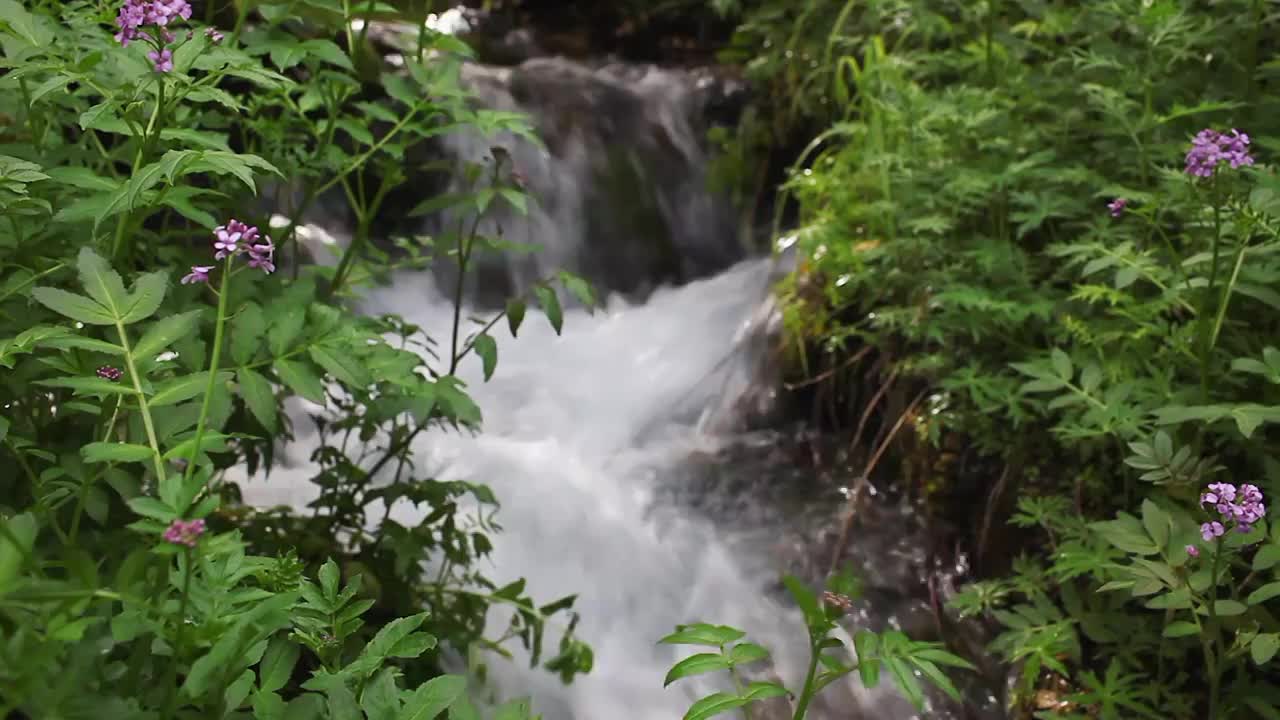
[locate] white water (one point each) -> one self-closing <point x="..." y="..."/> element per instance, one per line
<point x="581" y="429"/>
<point x="578" y="430"/>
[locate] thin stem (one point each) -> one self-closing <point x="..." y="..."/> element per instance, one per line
<point x="806" y="694"/>
<point x="144" y="144"/>
<point x="171" y="703"/>
<point x="156" y="457"/>
<point x="1215" y="671"/>
<point x="214" y="356"/>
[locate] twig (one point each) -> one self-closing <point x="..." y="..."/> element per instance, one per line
<point x="862" y="482"/>
<point x="824" y="375"/>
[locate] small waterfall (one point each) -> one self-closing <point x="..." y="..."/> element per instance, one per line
<point x="582" y="432"/>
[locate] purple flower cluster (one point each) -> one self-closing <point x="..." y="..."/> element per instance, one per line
<point x="1243" y="507"/>
<point x="184" y="532"/>
<point x="136" y="16"/>
<point x="106" y="372"/>
<point x="1210" y="148"/>
<point x="237" y="238"/>
<point x="1117" y="206"/>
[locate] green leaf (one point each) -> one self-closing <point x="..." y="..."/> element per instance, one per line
<point x="101" y="282"/>
<point x="23" y="24"/>
<point x="145" y="298"/>
<point x="713" y="705"/>
<point x="185" y="387"/>
<point x="867" y="645"/>
<point x="579" y="288"/>
<point x="433" y="697"/>
<point x="15" y="546"/>
<point x="696" y="665"/>
<point x="258" y="397"/>
<point x="703" y="634"/>
<point x="76" y="307"/>
<point x="381" y="698"/>
<point x="550" y="306"/>
<point x="383" y="645"/>
<point x="1267" y="557"/>
<point x="762" y="691"/>
<point x="152" y="508"/>
<point x="745" y="653"/>
<point x="906" y="681"/>
<point x="1262" y="594"/>
<point x="342" y="703"/>
<point x="301" y="380"/>
<point x="342" y="366"/>
<point x="277" y="664"/>
<point x="1062" y="364"/>
<point x="97" y="452"/>
<point x="286" y="326"/>
<point x="237" y="691"/>
<point x="462" y="710"/>
<point x="1157" y="522"/>
<point x="1264" y="647"/>
<point x="248" y="328"/>
<point x="89" y="386"/>
<point x="1182" y="628"/>
<point x="487" y="348"/>
<point x="515" y="315"/>
<point x="1227" y="608"/>
<point x="165" y="332"/>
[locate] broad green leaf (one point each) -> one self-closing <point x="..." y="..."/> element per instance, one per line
<point x="550" y="303"/>
<point x="515" y="315"/>
<point x="146" y="296"/>
<point x="342" y="366"/>
<point x="23" y="24"/>
<point x="22" y="530"/>
<point x="248" y="330"/>
<point x="1157" y="522"/>
<point x="286" y="326"/>
<point x="1062" y="364"/>
<point x="236" y="692"/>
<point x="258" y="397"/>
<point x="76" y="307"/>
<point x="301" y="380"/>
<point x="381" y="698"/>
<point x="463" y="710"/>
<point x="102" y="283"/>
<point x="1181" y="628"/>
<point x="1267" y="557"/>
<point x="906" y="681"/>
<point x="703" y="634"/>
<point x="277" y="664"/>
<point x="165" y="332"/>
<point x="1227" y="608"/>
<point x="763" y="691"/>
<point x="696" y="665"/>
<point x="209" y="442"/>
<point x="1263" y="594"/>
<point x="580" y="289"/>
<point x="1264" y="647"/>
<point x="487" y="348"/>
<point x="185" y="387"/>
<point x="745" y="653"/>
<point x="433" y="697"/>
<point x="342" y="703"/>
<point x="97" y="452"/>
<point x="90" y="385"/>
<point x="712" y="705"/>
<point x="152" y="508"/>
<point x="383" y="643"/>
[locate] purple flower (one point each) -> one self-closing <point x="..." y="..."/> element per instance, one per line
<point x="199" y="273"/>
<point x="1211" y="530"/>
<point x="1210" y="148"/>
<point x="227" y="238"/>
<point x="163" y="60"/>
<point x="1242" y="508"/>
<point x="106" y="372"/>
<point x="135" y="14"/>
<point x="1117" y="206"/>
<point x="184" y="532"/>
<point x="263" y="256"/>
<point x="1193" y="551"/>
<point x="214" y="36"/>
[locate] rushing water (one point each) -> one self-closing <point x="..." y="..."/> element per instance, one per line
<point x="585" y="433"/>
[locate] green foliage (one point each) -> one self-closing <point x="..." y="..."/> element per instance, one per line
<point x="953" y="215"/>
<point x="133" y="581"/>
<point x="892" y="651"/>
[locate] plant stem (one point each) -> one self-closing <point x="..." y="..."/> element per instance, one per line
<point x="214" y="356"/>
<point x="156" y="457"/>
<point x="806" y="694"/>
<point x="171" y="703"/>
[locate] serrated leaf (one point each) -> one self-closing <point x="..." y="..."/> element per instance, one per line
<point x="165" y="332"/>
<point x="301" y="380"/>
<point x="381" y="698"/>
<point x="1157" y="522"/>
<point x="258" y="397"/>
<point x="341" y="365"/>
<point x="71" y="305"/>
<point x="248" y="328"/>
<point x="433" y="697"/>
